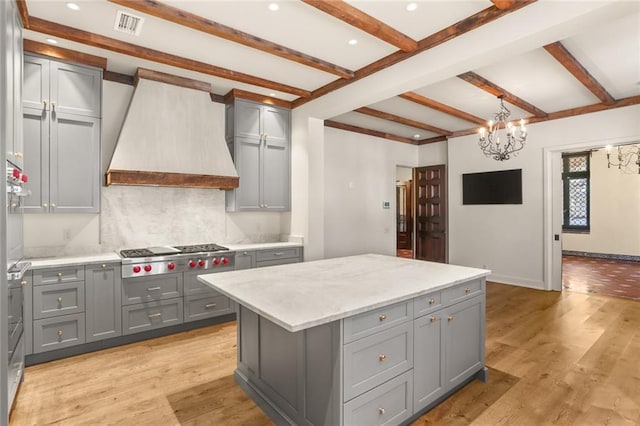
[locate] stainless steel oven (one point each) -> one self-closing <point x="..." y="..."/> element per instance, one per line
<point x="16" y="269"/>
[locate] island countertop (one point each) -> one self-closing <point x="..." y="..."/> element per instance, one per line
<point x="304" y="295"/>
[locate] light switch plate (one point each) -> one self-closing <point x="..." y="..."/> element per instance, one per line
<point x="386" y="204"/>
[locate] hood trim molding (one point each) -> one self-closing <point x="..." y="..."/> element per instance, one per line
<point x="183" y="180"/>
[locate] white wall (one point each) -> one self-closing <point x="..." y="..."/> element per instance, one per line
<point x="403" y="173"/>
<point x="508" y="239"/>
<point x="360" y="173"/>
<point x="432" y="154"/>
<point x="615" y="212"/>
<point x="143" y="216"/>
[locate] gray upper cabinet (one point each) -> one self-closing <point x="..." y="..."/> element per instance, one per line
<point x="260" y="145"/>
<point x="12" y="102"/>
<point x="61" y="121"/>
<point x="103" y="290"/>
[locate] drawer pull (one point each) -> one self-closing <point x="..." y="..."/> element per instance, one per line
<point x="154" y="288"/>
<point x="159" y="314"/>
<point x="433" y="319"/>
<point x="278" y="253"/>
<point x="383" y="317"/>
<point x="450" y="318"/>
<point x="432" y="301"/>
<point x="104" y="266"/>
<point x="59" y="333"/>
<point x="60" y="300"/>
<point x="210" y="305"/>
<point x="59" y="274"/>
<point x="23" y="283"/>
<point x="382" y="358"/>
<point x="467" y="290"/>
<point x="381" y="411"/>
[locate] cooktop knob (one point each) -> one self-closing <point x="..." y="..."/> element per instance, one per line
<point x="192" y="264"/>
<point x="136" y="269"/>
<point x="216" y="261"/>
<point x="171" y="266"/>
<point x="225" y="261"/>
<point x="16" y="173"/>
<point x="201" y="263"/>
<point x="24" y="178"/>
<point x="147" y="268"/>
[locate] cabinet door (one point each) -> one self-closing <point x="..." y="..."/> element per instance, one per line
<point x="245" y="260"/>
<point x="429" y="380"/>
<point x="464" y="340"/>
<point x="36" y="162"/>
<point x="248" y="166"/>
<point x="103" y="306"/>
<point x="248" y="120"/>
<point x="18" y="148"/>
<point x="75" y="89"/>
<point x="275" y="123"/>
<point x="35" y="87"/>
<point x="74" y="163"/>
<point x="275" y="176"/>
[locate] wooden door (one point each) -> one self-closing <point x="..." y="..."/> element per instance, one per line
<point x="431" y="213"/>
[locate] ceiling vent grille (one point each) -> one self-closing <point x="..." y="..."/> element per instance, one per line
<point x="128" y="23"/>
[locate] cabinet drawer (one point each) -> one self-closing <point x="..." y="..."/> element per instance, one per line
<point x="198" y="307"/>
<point x="275" y="262"/>
<point x="368" y="323"/>
<point x="58" y="299"/>
<point x="194" y="287"/>
<point x="375" y="359"/>
<point x="463" y="291"/>
<point x="62" y="274"/>
<point x="58" y="332"/>
<point x="426" y="304"/>
<point x="275" y="254"/>
<point x="151" y="315"/>
<point x="151" y="288"/>
<point x="388" y="404"/>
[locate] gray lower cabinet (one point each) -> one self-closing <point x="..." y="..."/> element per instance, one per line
<point x="260" y="145"/>
<point x="151" y="315"/>
<point x="151" y="288"/>
<point x="381" y="367"/>
<point x="103" y="290"/>
<point x="245" y="260"/>
<point x="58" y="299"/>
<point x="206" y="306"/>
<point x="61" y="121"/>
<point x="58" y="332"/>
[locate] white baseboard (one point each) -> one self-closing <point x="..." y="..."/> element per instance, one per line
<point x="520" y="282"/>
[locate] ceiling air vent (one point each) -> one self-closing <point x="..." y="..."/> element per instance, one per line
<point x="128" y="23"/>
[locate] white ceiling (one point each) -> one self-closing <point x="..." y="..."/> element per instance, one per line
<point x="609" y="48"/>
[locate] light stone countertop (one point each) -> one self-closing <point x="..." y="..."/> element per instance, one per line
<point x="303" y="295"/>
<point x="40" y="263"/>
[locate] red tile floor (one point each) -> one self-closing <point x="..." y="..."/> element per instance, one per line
<point x="404" y="253"/>
<point x="607" y="277"/>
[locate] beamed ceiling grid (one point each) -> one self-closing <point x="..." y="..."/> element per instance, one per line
<point x="347" y="14"/>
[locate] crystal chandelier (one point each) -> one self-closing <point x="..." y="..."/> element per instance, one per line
<point x="624" y="158"/>
<point x="503" y="138"/>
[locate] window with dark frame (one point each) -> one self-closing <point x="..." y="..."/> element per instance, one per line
<point x="576" y="190"/>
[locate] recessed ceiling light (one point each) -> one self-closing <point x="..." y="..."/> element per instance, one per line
<point x="416" y="136"/>
<point x="353" y="42"/>
<point x="412" y="6"/>
<point x="52" y="41"/>
<point x="73" y="6"/>
<point x="274" y="7"/>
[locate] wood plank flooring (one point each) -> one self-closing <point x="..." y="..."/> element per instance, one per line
<point x="554" y="358"/>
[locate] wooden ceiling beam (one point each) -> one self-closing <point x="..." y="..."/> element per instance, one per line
<point x="64" y="54"/>
<point x="401" y="120"/>
<point x="470" y="23"/>
<point x="430" y="103"/>
<point x="369" y="132"/>
<point x="24" y="12"/>
<point x="353" y="16"/>
<point x="484" y="84"/>
<point x="234" y="94"/>
<point x="199" y="23"/>
<point x="102" y="42"/>
<point x="118" y="78"/>
<point x="432" y="140"/>
<point x="567" y="60"/>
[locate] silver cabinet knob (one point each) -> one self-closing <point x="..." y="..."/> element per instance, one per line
<point x="45" y="205"/>
<point x="104" y="266"/>
<point x="53" y="106"/>
<point x="23" y="283"/>
<point x="59" y="274"/>
<point x="44" y="102"/>
<point x="53" y="205"/>
<point x="60" y="333"/>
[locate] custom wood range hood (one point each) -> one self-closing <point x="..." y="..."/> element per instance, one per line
<point x="168" y="137"/>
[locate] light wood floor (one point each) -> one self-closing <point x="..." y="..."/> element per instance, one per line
<point x="554" y="358"/>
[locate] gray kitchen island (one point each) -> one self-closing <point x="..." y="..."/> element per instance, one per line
<point x="361" y="340"/>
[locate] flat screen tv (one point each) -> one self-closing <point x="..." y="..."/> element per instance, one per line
<point x="500" y="187"/>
